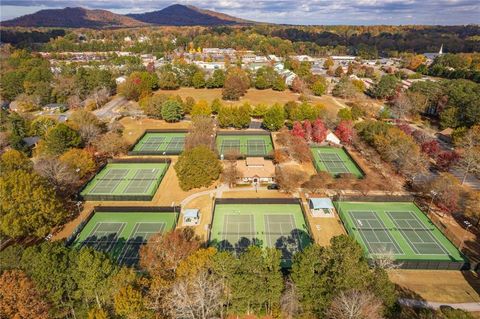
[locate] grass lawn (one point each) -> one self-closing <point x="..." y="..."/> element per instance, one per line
<point x="281" y="226"/>
<point x="398" y="228"/>
<point x="125" y="181"/>
<point x="335" y="161"/>
<point x="122" y="233"/>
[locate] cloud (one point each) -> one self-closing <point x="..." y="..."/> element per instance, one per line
<point x="291" y="11"/>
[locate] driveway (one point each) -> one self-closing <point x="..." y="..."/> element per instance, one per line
<point x="107" y="111"/>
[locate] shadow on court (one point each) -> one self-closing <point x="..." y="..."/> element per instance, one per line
<point x="288" y="244"/>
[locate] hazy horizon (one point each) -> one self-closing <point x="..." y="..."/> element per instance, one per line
<point x="301" y="12"/>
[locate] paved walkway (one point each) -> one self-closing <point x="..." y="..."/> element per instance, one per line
<point x="219" y="192"/>
<point x="469" y="306"/>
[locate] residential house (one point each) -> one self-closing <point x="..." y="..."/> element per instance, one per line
<point x="256" y="170"/>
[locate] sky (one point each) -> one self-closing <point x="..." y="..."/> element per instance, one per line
<point x="318" y="12"/>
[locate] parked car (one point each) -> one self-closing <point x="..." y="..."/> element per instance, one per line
<point x="273" y="186"/>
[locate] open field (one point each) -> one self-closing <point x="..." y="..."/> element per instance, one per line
<point x="122" y="233"/>
<point x="439" y="285"/>
<point x="334" y="160"/>
<point x="239" y="225"/>
<point x="399" y="229"/>
<point x="134" y="128"/>
<point x="255" y="97"/>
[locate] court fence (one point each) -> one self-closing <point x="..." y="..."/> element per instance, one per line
<point x="120" y="209"/>
<point x="404" y="264"/>
<point x="315" y="162"/>
<point x="119" y="197"/>
<point x="248" y="133"/>
<point x="131" y="151"/>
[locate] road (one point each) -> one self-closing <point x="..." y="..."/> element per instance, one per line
<point x="107" y="111"/>
<point x="470" y="306"/>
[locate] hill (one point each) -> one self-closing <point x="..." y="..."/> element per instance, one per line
<point x="73" y="18"/>
<point x="181" y="15"/>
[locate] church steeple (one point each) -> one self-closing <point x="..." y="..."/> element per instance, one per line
<point x="441" y="50"/>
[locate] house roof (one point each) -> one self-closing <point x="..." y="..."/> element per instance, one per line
<point x="447" y="131"/>
<point x="319" y="203"/>
<point x="190" y="213"/>
<point x="255" y="161"/>
<point x="264" y="170"/>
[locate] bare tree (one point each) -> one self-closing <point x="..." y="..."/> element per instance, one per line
<point x="100" y="96"/>
<point x="89" y="132"/>
<point x="231" y="174"/>
<point x="355" y="304"/>
<point x="111" y="144"/>
<point x="318" y="182"/>
<point x="202" y="132"/>
<point x="289" y="178"/>
<point x="386" y="260"/>
<point x="289" y="302"/>
<point x="199" y="297"/>
<point x="60" y="174"/>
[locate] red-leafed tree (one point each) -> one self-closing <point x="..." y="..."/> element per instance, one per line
<point x="307" y="127"/>
<point x="431" y="148"/>
<point x="298" y="130"/>
<point x="447" y="159"/>
<point x="345" y="131"/>
<point x="319" y="131"/>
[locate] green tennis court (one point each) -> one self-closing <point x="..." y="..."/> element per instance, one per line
<point x="121" y="234"/>
<point x="245" y="145"/>
<point x="281" y="226"/>
<point x="335" y="161"/>
<point x="125" y="181"/>
<point x="160" y="143"/>
<point x="399" y="229"/>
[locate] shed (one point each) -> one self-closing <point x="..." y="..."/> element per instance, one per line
<point x="446" y="135"/>
<point x="321" y="207"/>
<point x="191" y="216"/>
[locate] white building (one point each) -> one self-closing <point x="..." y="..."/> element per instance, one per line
<point x="121" y="79"/>
<point x="210" y="66"/>
<point x="332" y="138"/>
<point x="321" y="207"/>
<point x="303" y="58"/>
<point x="343" y="58"/>
<point x="191" y="217"/>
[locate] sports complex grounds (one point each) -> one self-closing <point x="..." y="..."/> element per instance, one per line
<point x="275" y="223"/>
<point x="400" y="230"/>
<point x="246" y="144"/>
<point x="126" y="180"/>
<point x="335" y="161"/>
<point x="159" y="142"/>
<point x="121" y="231"/>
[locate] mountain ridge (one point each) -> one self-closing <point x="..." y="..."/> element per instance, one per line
<point x="78" y="17"/>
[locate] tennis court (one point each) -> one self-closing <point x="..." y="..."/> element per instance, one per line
<point x="160" y="143"/>
<point x="121" y="234"/>
<point x="246" y="145"/>
<point x="399" y="229"/>
<point x="125" y="181"/>
<point x="335" y="161"/>
<point x="238" y="226"/>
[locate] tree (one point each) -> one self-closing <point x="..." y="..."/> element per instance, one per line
<point x="129" y="303"/>
<point x="297" y="86"/>
<point x="431" y="148"/>
<point x="289" y="178"/>
<point x="470" y="152"/>
<point x="202" y="132"/>
<point x="20" y="298"/>
<point x="231" y="174"/>
<point x="319" y="87"/>
<point x="188" y="104"/>
<point x="111" y="144"/>
<point x="11" y="84"/>
<point x="446" y="160"/>
<point x="40" y="125"/>
<point x="345" y="89"/>
<point x="216" y="105"/>
<point x="298" y="130"/>
<point x="140" y="84"/>
<point x="319" y="182"/>
<point x="13" y="160"/>
<point x="328" y="63"/>
<point x="319" y="131"/>
<point x="345" y="132"/>
<point x="339" y="71"/>
<point x="59" y="139"/>
<point x="197" y="167"/>
<point x="355" y="304"/>
<point x="236" y="84"/>
<point x="59" y="174"/>
<point x="152" y="105"/>
<point x="97" y="313"/>
<point x="472" y="206"/>
<point x="29" y="205"/>
<point x="447" y="188"/>
<point x="198" y="80"/>
<point x="201" y="108"/>
<point x="385" y="88"/>
<point x="27" y="103"/>
<point x="274" y="119"/>
<point x="80" y="160"/>
<point x="217" y="79"/>
<point x="172" y="111"/>
<point x="307" y="127"/>
<point x="289" y="303"/>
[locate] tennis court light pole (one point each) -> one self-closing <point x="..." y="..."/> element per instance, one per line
<point x="433" y="193"/>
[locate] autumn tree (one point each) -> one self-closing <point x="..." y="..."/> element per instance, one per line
<point x="13" y="160"/>
<point x="202" y="132"/>
<point x="130" y="303"/>
<point x="472" y="206"/>
<point x="345" y="132"/>
<point x="198" y="80"/>
<point x="447" y="188"/>
<point x="197" y="167"/>
<point x="152" y="105"/>
<point x="297" y="130"/>
<point x="201" y="108"/>
<point x="20" y="298"/>
<point x="319" y="87"/>
<point x="318" y="182"/>
<point x="29" y="205"/>
<point x="470" y="152"/>
<point x="40" y="125"/>
<point x="384" y="88"/>
<point x="236" y="84"/>
<point x="111" y="144"/>
<point x="59" y="139"/>
<point x="274" y="119"/>
<point x="231" y="173"/>
<point x="80" y="160"/>
<point x="319" y="131"/>
<point x="289" y="178"/>
<point x="58" y="173"/>
<point x="307" y="127"/>
<point x="139" y="84"/>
